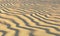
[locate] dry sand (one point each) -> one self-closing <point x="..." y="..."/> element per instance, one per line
<point x="29" y="18"/>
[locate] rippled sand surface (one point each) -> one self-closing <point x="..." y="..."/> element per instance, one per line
<point x="29" y="17"/>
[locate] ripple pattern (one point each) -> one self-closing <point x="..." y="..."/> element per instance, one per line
<point x="29" y="18"/>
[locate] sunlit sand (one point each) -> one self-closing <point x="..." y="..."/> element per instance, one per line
<point x="29" y="18"/>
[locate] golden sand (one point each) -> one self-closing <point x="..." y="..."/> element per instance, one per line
<point x="29" y="18"/>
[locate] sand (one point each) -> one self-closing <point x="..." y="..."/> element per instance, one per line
<point x="29" y="18"/>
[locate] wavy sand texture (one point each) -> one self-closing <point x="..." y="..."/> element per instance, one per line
<point x="29" y="17"/>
